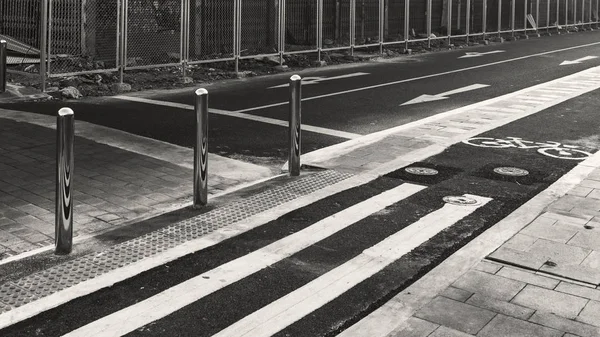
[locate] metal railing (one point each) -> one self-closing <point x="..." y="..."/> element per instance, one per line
<point x="91" y="36"/>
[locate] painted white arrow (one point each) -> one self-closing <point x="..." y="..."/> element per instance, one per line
<point x="579" y="60"/>
<point x="430" y="98"/>
<point x="476" y="54"/>
<point x="318" y="79"/>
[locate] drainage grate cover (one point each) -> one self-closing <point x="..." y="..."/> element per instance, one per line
<point x="46" y="282"/>
<point x="460" y="200"/>
<point x="424" y="173"/>
<point x="421" y="171"/>
<point x="511" y="171"/>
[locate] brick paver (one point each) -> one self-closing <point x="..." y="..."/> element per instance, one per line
<point x="111" y="186"/>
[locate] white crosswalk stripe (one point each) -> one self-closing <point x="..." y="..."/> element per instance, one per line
<point x="292" y="307"/>
<point x="175" y="298"/>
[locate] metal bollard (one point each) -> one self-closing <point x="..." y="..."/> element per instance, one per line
<point x="201" y="149"/>
<point x="2" y="66"/>
<point x="65" y="127"/>
<point x="295" y="123"/>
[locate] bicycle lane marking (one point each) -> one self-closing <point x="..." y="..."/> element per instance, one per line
<point x="490" y="114"/>
<point x="564" y="151"/>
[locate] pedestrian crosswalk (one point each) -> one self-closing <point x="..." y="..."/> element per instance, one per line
<point x="269" y="288"/>
<point x="177" y="297"/>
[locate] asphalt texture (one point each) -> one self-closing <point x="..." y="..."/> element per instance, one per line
<point x="361" y="112"/>
<point x="463" y="169"/>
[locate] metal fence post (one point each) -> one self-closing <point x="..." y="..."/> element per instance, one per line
<point x="43" y="43"/>
<point x="449" y="30"/>
<point x="123" y="39"/>
<point x="512" y="17"/>
<point x="483" y="19"/>
<point x="525" y="18"/>
<point x="2" y="66"/>
<point x="428" y="29"/>
<point x="295" y="125"/>
<point x="201" y="149"/>
<point x="468" y="20"/>
<point x="406" y="22"/>
<point x="63" y="235"/>
<point x="499" y="17"/>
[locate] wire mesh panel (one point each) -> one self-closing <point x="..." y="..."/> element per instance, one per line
<point x="476" y="17"/>
<point x="542" y="19"/>
<point x="153" y="32"/>
<point x="394" y="20"/>
<point x="438" y="17"/>
<point x="552" y="18"/>
<point x="532" y="12"/>
<point x="569" y="12"/>
<point x="211" y="29"/>
<point x="520" y="14"/>
<point x="20" y="20"/>
<point x="336" y="23"/>
<point x="367" y="22"/>
<point x="260" y="27"/>
<point x="459" y="17"/>
<point x="82" y="35"/>
<point x="491" y="24"/>
<point x="580" y="11"/>
<point x="301" y="25"/>
<point x="417" y="19"/>
<point x="505" y="14"/>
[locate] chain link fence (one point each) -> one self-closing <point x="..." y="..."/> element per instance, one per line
<point x="20" y="27"/>
<point x="82" y="36"/>
<point x="90" y="36"/>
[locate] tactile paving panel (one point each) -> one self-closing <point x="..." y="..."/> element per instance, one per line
<point x="57" y="278"/>
<point x="14" y="296"/>
<point x="4" y="308"/>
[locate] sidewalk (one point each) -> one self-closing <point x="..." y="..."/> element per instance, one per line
<point x="516" y="294"/>
<point x="112" y="186"/>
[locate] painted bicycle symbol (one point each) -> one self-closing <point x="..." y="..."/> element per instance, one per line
<point x="550" y="149"/>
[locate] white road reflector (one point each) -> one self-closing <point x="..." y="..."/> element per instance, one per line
<point x="285" y="311"/>
<point x="185" y="293"/>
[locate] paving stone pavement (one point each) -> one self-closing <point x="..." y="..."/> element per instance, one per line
<point x="544" y="281"/>
<point x="111" y="187"/>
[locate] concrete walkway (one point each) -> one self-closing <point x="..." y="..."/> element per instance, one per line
<point x="119" y="179"/>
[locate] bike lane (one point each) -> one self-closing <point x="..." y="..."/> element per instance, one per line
<point x="463" y="169"/>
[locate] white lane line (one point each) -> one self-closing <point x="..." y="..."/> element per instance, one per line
<point x="237" y="114"/>
<point x="278" y="315"/>
<point x="175" y="298"/>
<point x="423" y="77"/>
